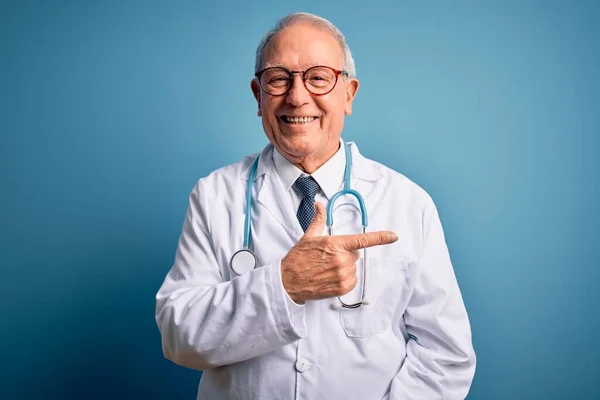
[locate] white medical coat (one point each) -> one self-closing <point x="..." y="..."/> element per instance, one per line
<point x="413" y="341"/>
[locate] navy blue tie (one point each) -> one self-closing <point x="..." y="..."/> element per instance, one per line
<point x="308" y="187"/>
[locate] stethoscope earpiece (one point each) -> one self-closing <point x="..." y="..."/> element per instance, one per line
<point x="336" y="305"/>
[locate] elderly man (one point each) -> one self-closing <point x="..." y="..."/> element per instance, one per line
<point x="270" y="304"/>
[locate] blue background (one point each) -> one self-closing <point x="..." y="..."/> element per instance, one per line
<point x="110" y="111"/>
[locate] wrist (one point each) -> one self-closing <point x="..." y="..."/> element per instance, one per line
<point x="288" y="288"/>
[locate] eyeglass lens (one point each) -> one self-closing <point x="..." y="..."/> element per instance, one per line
<point x="318" y="80"/>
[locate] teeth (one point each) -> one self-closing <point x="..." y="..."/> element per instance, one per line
<point x="298" y="120"/>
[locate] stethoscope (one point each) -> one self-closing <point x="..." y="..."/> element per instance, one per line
<point x="244" y="259"/>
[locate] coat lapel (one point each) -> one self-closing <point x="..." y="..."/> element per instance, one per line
<point x="365" y="175"/>
<point x="272" y="198"/>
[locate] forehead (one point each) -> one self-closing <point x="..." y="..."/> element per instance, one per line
<point x="301" y="46"/>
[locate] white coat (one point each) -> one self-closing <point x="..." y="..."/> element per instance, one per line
<point x="413" y="341"/>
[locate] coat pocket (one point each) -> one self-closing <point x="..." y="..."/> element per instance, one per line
<point x="388" y="285"/>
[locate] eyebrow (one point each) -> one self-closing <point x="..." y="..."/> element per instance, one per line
<point x="280" y="65"/>
<point x="274" y="65"/>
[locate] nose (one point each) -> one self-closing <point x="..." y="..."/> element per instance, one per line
<point x="297" y="95"/>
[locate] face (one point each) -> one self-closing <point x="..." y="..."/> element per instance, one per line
<point x="308" y="142"/>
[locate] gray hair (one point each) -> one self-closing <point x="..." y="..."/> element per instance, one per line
<point x="315" y="20"/>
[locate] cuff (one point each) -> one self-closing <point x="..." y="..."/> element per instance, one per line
<point x="296" y="313"/>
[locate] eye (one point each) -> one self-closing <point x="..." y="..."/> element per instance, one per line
<point x="277" y="81"/>
<point x="317" y="79"/>
<point x="317" y="76"/>
<point x="278" y="78"/>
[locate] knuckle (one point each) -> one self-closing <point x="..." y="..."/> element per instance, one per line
<point x="353" y="269"/>
<point x="340" y="274"/>
<point x="349" y="269"/>
<point x="352" y="281"/>
<point x="328" y="241"/>
<point x="348" y="284"/>
<point x="363" y="241"/>
<point x="348" y="259"/>
<point x="339" y="261"/>
<point x="342" y="288"/>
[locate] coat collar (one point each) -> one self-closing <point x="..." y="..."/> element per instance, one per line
<point x="268" y="188"/>
<point x="362" y="168"/>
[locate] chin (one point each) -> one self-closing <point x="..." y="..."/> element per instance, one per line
<point x="300" y="145"/>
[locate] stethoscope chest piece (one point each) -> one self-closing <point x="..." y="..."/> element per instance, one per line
<point x="243" y="261"/>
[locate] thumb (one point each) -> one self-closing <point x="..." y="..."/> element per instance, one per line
<point x="318" y="223"/>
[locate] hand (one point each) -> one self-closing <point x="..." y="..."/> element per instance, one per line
<point x="319" y="267"/>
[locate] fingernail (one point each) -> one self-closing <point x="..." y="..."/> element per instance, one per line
<point x="393" y="237"/>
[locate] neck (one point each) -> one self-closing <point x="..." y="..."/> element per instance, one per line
<point x="311" y="164"/>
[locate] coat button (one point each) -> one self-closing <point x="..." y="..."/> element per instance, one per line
<point x="302" y="365"/>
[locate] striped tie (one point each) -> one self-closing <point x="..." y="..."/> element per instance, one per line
<point x="308" y="187"/>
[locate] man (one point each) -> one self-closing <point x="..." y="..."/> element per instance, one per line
<point x="279" y="330"/>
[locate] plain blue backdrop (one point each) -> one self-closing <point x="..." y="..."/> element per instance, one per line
<point x="110" y="111"/>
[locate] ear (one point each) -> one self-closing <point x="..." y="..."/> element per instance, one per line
<point x="351" y="89"/>
<point x="255" y="86"/>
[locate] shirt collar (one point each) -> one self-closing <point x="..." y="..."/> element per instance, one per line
<point x="330" y="176"/>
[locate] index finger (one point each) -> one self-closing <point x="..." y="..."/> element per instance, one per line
<point x="364" y="240"/>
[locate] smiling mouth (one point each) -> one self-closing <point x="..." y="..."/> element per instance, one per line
<point x="296" y="120"/>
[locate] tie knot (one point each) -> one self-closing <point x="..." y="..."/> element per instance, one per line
<point x="307" y="186"/>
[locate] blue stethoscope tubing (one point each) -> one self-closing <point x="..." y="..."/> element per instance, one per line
<point x="244" y="259"/>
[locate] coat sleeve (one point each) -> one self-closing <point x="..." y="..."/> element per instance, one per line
<point x="440" y="359"/>
<point x="206" y="322"/>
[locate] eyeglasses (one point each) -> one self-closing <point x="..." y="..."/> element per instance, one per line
<point x="318" y="80"/>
